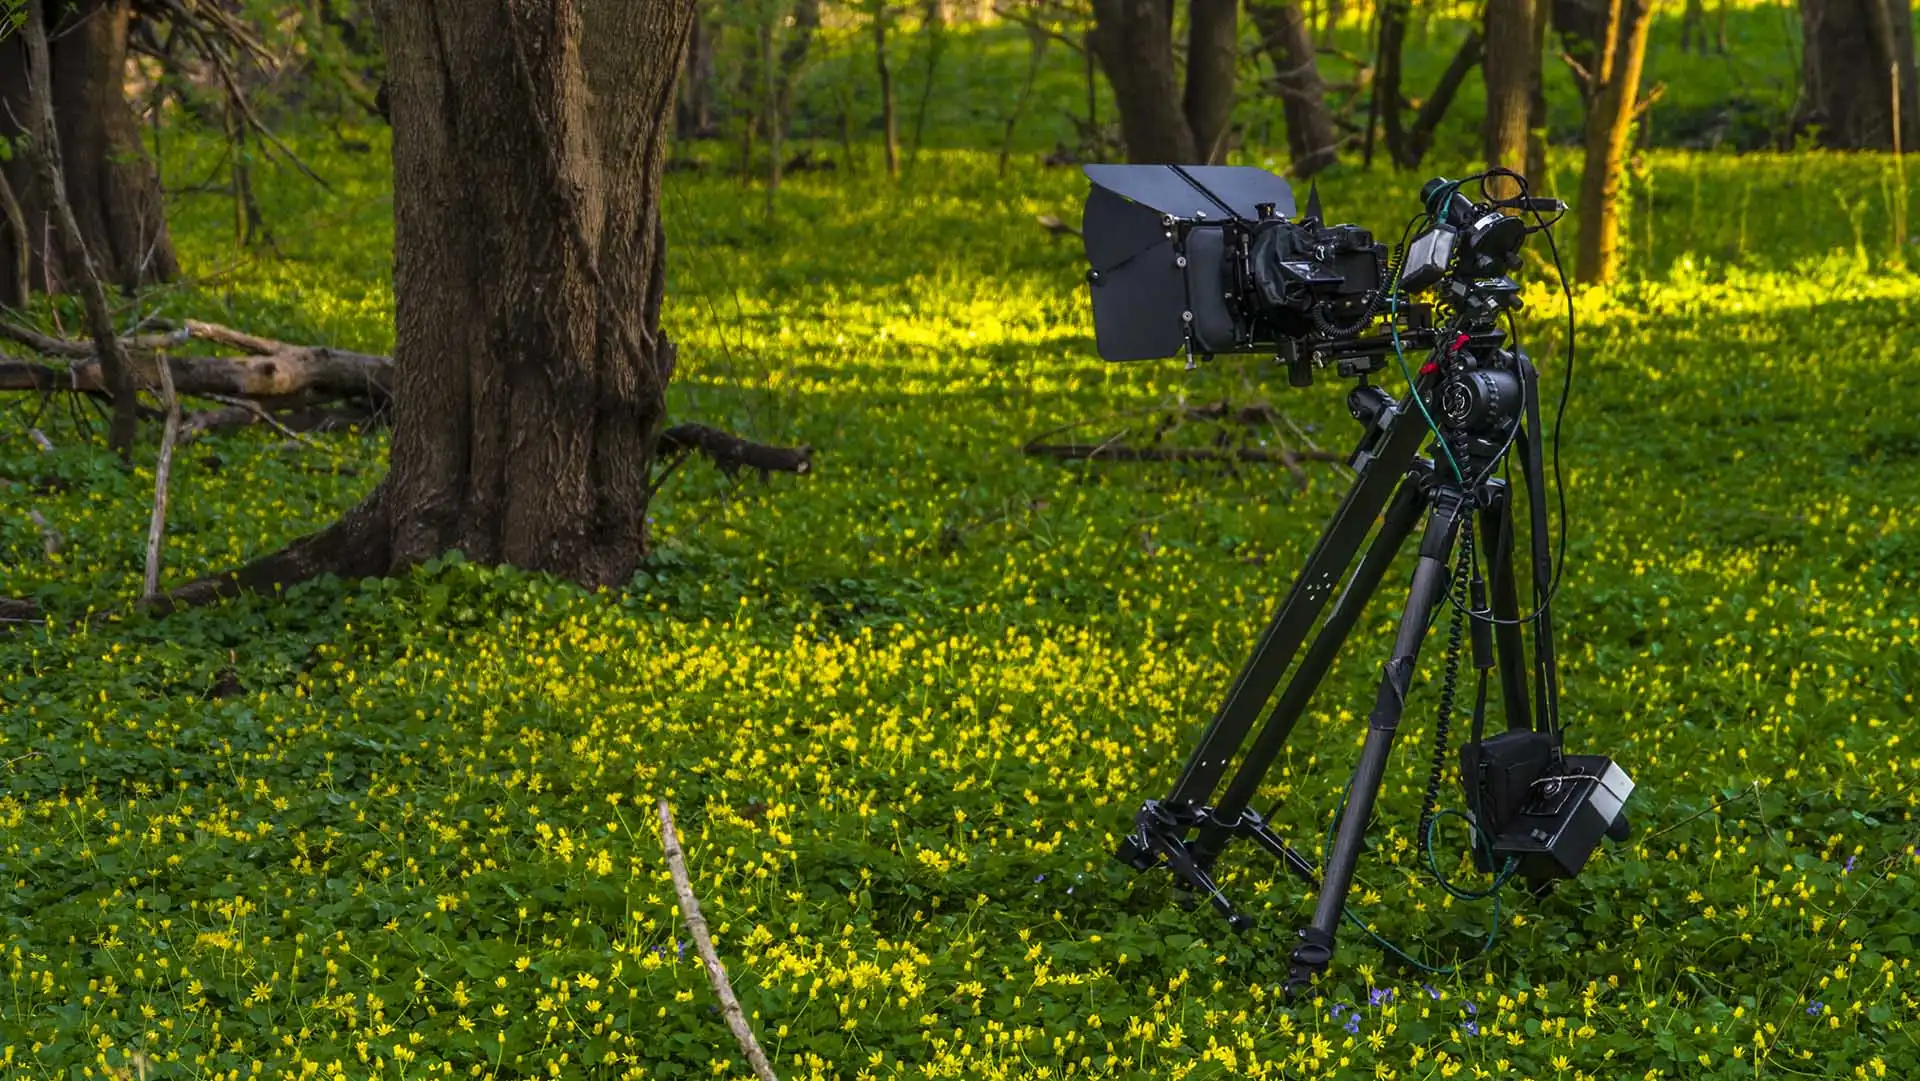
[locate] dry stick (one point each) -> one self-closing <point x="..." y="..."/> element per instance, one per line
<point x="157" y="529"/>
<point x="46" y="154"/>
<point x="716" y="972"/>
<point x="1899" y="173"/>
<point x="49" y="536"/>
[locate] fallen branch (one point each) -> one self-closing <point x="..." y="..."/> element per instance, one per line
<point x="1120" y="452"/>
<point x="79" y="350"/>
<point x="731" y="453"/>
<point x="290" y="372"/>
<point x="703" y="942"/>
<point x="19" y="612"/>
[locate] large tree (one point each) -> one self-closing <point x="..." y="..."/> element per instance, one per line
<point x="1162" y="118"/>
<point x="529" y="368"/>
<point x="108" y="178"/>
<point x="1857" y="73"/>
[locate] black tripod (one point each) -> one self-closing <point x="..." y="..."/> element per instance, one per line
<point x="1398" y="488"/>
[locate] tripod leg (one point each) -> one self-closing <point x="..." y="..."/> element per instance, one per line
<point x="1325" y="566"/>
<point x="1430" y="576"/>
<point x="1402" y="515"/>
<point x="1546" y="671"/>
<point x="1496" y="523"/>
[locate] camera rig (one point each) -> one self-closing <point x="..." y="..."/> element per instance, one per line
<point x="1207" y="259"/>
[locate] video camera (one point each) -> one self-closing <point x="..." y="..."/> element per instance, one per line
<point x="1207" y="259"/>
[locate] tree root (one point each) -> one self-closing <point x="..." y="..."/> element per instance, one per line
<point x="357" y="546"/>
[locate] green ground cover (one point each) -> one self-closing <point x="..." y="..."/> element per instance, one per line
<point x="403" y="828"/>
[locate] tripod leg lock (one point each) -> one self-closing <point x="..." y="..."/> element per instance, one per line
<point x="1310" y="958"/>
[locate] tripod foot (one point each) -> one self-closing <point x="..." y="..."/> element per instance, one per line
<point x="1310" y="959"/>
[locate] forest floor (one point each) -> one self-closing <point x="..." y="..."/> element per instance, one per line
<point x="905" y="705"/>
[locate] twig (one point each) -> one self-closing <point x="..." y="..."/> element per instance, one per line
<point x="157" y="529"/>
<point x="49" y="536"/>
<point x="716" y="972"/>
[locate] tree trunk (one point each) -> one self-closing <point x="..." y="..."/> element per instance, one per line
<point x="1387" y="99"/>
<point x="1134" y="41"/>
<point x="1858" y="55"/>
<point x="1284" y="33"/>
<point x="115" y="193"/>
<point x="802" y="27"/>
<point x="529" y="366"/>
<point x="889" y="120"/>
<point x="1509" y="70"/>
<point x="1537" y="171"/>
<point x="1616" y="82"/>
<point x="1583" y="26"/>
<point x="1213" y="56"/>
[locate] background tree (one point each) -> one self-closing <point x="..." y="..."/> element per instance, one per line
<point x="1510" y="71"/>
<point x="1857" y="62"/>
<point x="1312" y="140"/>
<point x="1612" y="92"/>
<point x="1162" y="118"/>
<point x="109" y="180"/>
<point x="1408" y="145"/>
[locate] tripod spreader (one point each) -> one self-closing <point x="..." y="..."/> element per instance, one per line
<point x="1158" y="834"/>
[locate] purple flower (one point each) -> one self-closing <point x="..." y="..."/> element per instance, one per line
<point x="1379" y="996"/>
<point x="680" y="949"/>
<point x="1430" y="990"/>
<point x="1353" y="1023"/>
<point x="1816" y="1009"/>
<point x="1470" y="1028"/>
<point x="1848" y="869"/>
<point x="1472" y="1010"/>
<point x="1338" y="1009"/>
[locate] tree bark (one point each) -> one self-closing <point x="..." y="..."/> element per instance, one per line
<point x="1859" y="54"/>
<point x="1616" y="84"/>
<point x="1284" y="33"/>
<point x="529" y="265"/>
<point x="1134" y="42"/>
<point x="1213" y="57"/>
<point x="1509" y="71"/>
<point x="111" y="184"/>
